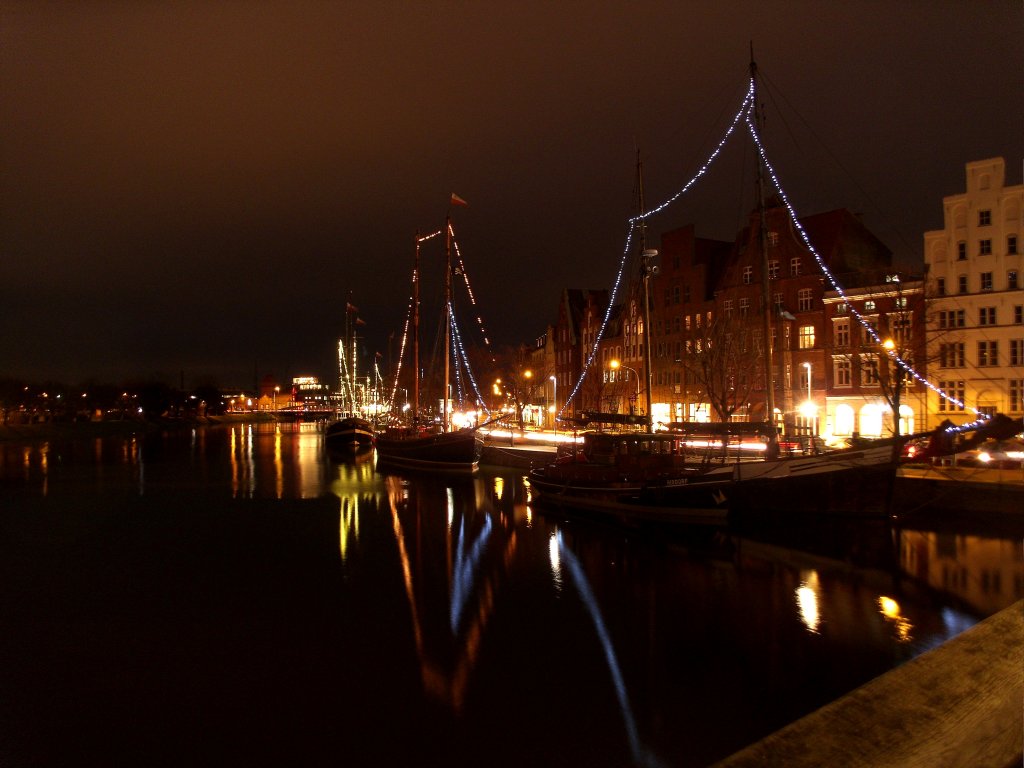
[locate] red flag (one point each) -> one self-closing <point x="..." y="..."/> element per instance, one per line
<point x="456" y="200"/>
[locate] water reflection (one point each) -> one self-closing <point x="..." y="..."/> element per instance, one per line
<point x="470" y="559"/>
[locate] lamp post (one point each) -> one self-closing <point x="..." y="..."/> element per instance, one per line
<point x="808" y="367"/>
<point x="615" y="365"/>
<point x="276" y="390"/>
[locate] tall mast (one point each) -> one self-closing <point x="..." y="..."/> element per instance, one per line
<point x="646" y="269"/>
<point x="447" y="311"/>
<point x="762" y="235"/>
<point x="416" y="333"/>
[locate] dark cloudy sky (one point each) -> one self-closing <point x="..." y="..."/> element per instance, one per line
<point x="200" y="186"/>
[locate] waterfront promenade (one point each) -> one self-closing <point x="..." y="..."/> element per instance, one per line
<point x="961" y="704"/>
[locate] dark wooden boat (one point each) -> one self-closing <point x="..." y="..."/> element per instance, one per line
<point x="351" y="433"/>
<point x="698" y="474"/>
<point x="405" y="447"/>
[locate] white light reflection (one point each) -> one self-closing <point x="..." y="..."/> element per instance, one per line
<point x="807" y="600"/>
<point x="465" y="568"/>
<point x="556" y="562"/>
<point x="451" y="508"/>
<point x="640" y="756"/>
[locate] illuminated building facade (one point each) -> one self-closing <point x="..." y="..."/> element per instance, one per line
<point x="976" y="305"/>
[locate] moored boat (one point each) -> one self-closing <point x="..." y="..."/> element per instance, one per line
<point x="351" y="432"/>
<point x="703" y="472"/>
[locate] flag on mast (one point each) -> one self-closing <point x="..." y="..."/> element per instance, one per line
<point x="456" y="200"/>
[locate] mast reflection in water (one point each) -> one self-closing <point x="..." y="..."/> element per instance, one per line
<point x="235" y="596"/>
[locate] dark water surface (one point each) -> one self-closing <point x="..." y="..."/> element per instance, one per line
<point x="234" y="596"/>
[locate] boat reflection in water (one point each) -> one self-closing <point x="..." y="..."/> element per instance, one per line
<point x="319" y="608"/>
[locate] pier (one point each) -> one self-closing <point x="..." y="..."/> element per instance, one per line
<point x="961" y="704"/>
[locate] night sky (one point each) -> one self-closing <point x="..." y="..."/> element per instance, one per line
<point x="197" y="188"/>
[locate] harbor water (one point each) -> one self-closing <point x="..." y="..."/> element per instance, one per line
<point x="234" y="595"/>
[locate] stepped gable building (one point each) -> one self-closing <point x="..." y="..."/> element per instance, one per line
<point x="721" y="321"/>
<point x="976" y="305"/>
<point x="681" y="296"/>
<point x="580" y="314"/>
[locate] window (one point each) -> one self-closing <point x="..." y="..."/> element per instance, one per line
<point x="940" y="286"/>
<point x="806" y="337"/>
<point x="984" y="218"/>
<point x="686" y="294"/>
<point x="773" y="269"/>
<point x="987" y="316"/>
<point x="744" y="307"/>
<point x="1016" y="351"/>
<point x="696" y="320"/>
<point x="900" y="328"/>
<point x="961" y="284"/>
<point x="1011" y="244"/>
<point x="777" y="301"/>
<point x="842" y="308"/>
<point x="986" y="281"/>
<point x="952" y="389"/>
<point x="794" y="266"/>
<point x="869" y="306"/>
<point x="1012" y="280"/>
<point x="988" y="354"/>
<point x="901" y="302"/>
<point x="727" y="306"/>
<point x="951" y="355"/>
<point x="868" y="372"/>
<point x="1016" y="395"/>
<point x="961" y="251"/>
<point x="1018" y="314"/>
<point x="842" y="333"/>
<point x="985" y="247"/>
<point x="773" y="239"/>
<point x="841" y="369"/>
<point x="805" y="298"/>
<point x="748" y="275"/>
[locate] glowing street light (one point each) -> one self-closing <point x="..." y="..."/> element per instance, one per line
<point x="615" y="365"/>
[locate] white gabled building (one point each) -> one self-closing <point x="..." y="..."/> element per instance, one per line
<point x="976" y="305"/>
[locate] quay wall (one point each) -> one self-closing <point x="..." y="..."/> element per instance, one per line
<point x="961" y="704"/>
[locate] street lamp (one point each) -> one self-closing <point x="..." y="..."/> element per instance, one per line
<point x="276" y="390"/>
<point x="808" y="367"/>
<point x="615" y="365"/>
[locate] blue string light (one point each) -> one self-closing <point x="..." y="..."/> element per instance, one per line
<point x="633" y="224"/>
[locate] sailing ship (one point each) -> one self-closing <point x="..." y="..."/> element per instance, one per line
<point x="428" y="445"/>
<point x="699" y="472"/>
<point x="349" y="431"/>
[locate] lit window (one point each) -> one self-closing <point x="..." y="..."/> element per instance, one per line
<point x="869" y="306"/>
<point x="806" y="337"/>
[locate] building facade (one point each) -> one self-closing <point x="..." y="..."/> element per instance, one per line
<point x="976" y="306"/>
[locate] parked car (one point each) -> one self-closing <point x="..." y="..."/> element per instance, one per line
<point x="994" y="454"/>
